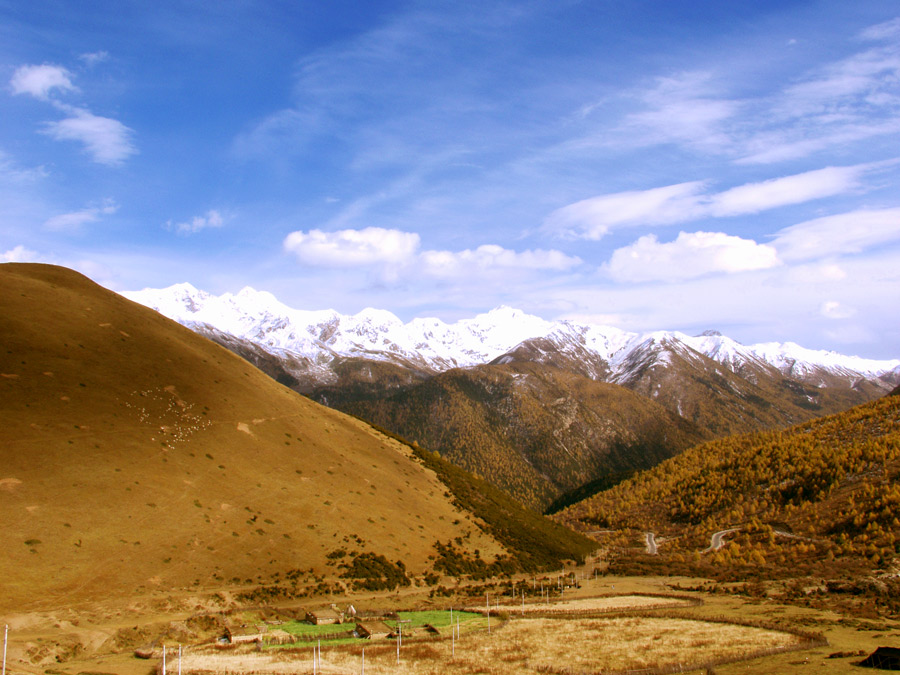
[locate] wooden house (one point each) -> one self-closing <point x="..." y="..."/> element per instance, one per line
<point x="372" y="630"/>
<point x="239" y="635"/>
<point x="321" y="617"/>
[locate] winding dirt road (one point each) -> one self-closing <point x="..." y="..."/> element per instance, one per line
<point x="717" y="541"/>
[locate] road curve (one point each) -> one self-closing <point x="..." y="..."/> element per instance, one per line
<point x="651" y="544"/>
<point x="717" y="540"/>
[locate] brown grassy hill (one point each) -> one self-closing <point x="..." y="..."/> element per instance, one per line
<point x="533" y="430"/>
<point x="136" y="455"/>
<point x="821" y="497"/>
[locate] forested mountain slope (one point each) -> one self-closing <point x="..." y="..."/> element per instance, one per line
<point x="533" y="430"/>
<point x="819" y="492"/>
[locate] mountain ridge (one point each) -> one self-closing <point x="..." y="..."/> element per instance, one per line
<point x="320" y="336"/>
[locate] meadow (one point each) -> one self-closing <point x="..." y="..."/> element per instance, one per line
<point x="510" y="644"/>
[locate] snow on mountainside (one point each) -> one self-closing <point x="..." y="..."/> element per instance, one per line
<point x="433" y="345"/>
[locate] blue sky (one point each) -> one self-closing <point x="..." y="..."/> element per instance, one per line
<point x="647" y="164"/>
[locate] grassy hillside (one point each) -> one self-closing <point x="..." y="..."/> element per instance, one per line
<point x="136" y="455"/>
<point x="533" y="430"/>
<point x="823" y="496"/>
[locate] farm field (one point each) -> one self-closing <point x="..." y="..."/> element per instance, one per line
<point x="524" y="646"/>
<point x="100" y="638"/>
<point x="413" y="621"/>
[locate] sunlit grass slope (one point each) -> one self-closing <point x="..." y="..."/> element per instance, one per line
<point x="136" y="455"/>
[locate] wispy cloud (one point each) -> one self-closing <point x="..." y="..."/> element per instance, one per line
<point x="839" y="234"/>
<point x="686" y="108"/>
<point x="210" y="219"/>
<point x="797" y="189"/>
<point x="20" y="254"/>
<point x="40" y="81"/>
<point x="106" y="140"/>
<point x="11" y="172"/>
<point x="832" y="309"/>
<point x="93" y="58"/>
<point x="836" y="104"/>
<point x="76" y="219"/>
<point x="595" y="217"/>
<point x="690" y="255"/>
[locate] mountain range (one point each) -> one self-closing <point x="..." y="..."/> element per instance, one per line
<point x="313" y="343"/>
<point x="539" y="408"/>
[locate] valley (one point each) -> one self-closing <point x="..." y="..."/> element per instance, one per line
<point x="547" y="411"/>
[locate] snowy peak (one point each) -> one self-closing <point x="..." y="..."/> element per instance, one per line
<point x="433" y="345"/>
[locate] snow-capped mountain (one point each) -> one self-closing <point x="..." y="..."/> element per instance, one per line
<point x="501" y="335"/>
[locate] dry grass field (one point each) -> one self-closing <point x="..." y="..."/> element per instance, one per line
<point x="523" y="646"/>
<point x="597" y="605"/>
<point x="89" y="638"/>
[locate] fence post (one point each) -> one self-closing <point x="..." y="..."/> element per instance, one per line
<point x="5" y="637"/>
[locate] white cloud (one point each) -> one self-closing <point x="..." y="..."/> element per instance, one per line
<point x="396" y="254"/>
<point x="682" y="109"/>
<point x="20" y="254"/>
<point x="40" y="81"/>
<point x="836" y="104"/>
<point x="832" y="309"/>
<point x="796" y="189"/>
<point x="492" y="258"/>
<point x="692" y="254"/>
<point x="74" y="220"/>
<point x="94" y="58"/>
<point x="210" y="219"/>
<point x="107" y="140"/>
<point x="595" y="217"/>
<point x="350" y="248"/>
<point x="839" y="234"/>
<point x="883" y="31"/>
<point x="11" y="172"/>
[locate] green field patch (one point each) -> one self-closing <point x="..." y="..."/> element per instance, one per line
<point x="334" y="634"/>
<point x="441" y="619"/>
<point x="304" y="629"/>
